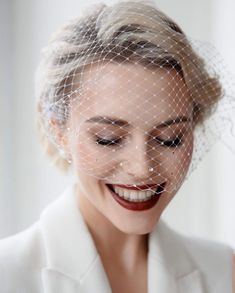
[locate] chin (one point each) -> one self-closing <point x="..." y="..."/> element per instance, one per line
<point x="140" y="228"/>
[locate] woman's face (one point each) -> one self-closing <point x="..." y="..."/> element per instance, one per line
<point x="130" y="128"/>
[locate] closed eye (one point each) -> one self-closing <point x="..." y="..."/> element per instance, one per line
<point x="172" y="143"/>
<point x="108" y="142"/>
<point x="115" y="141"/>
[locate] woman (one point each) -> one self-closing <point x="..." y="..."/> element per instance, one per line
<point x="121" y="94"/>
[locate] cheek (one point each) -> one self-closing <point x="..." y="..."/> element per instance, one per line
<point x="85" y="158"/>
<point x="179" y="163"/>
<point x="91" y="159"/>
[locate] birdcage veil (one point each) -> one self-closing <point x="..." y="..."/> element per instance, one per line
<point x="125" y="86"/>
<point x="221" y="121"/>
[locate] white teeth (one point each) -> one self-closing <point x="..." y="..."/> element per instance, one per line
<point x="122" y="193"/>
<point x="125" y="193"/>
<point x="134" y="195"/>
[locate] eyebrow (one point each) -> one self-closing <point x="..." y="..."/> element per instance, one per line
<point x="118" y="122"/>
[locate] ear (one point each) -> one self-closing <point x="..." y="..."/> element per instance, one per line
<point x="61" y="137"/>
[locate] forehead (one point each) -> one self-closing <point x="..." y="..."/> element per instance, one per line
<point x="133" y="93"/>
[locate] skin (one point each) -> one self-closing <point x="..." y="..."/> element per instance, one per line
<point x="120" y="91"/>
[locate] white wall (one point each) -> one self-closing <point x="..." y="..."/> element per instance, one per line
<point x="224" y="39"/>
<point x="7" y="205"/>
<point x="28" y="183"/>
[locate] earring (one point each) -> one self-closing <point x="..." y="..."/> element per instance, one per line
<point x="65" y="156"/>
<point x="69" y="160"/>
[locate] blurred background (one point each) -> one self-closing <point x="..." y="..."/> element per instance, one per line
<point x="205" y="206"/>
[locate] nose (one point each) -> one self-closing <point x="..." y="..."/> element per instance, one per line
<point x="138" y="162"/>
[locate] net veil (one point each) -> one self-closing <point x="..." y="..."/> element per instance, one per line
<point x="126" y="97"/>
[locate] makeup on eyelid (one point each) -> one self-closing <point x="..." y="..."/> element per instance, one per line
<point x="168" y="140"/>
<point x="174" y="142"/>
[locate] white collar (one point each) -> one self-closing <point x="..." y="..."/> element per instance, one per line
<point x="73" y="263"/>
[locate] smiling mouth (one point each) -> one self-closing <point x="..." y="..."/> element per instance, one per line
<point x="137" y="200"/>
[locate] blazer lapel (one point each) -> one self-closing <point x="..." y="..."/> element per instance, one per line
<point x="54" y="281"/>
<point x="72" y="262"/>
<point x="169" y="269"/>
<point x="94" y="280"/>
<point x="190" y="283"/>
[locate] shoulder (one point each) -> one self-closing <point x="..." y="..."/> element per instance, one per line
<point x="21" y="258"/>
<point x="214" y="260"/>
<point x="199" y="248"/>
<point x="212" y="252"/>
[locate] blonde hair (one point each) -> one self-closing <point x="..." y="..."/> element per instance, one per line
<point x="128" y="29"/>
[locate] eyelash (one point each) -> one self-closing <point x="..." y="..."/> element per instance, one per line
<point x="172" y="143"/>
<point x="108" y="142"/>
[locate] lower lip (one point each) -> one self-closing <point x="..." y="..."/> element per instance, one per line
<point x="136" y="206"/>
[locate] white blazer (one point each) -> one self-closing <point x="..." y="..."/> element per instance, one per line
<point x="58" y="255"/>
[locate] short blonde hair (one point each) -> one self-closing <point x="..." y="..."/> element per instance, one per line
<point x="127" y="29"/>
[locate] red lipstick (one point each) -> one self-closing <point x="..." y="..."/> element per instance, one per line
<point x="137" y="187"/>
<point x="137" y="206"/>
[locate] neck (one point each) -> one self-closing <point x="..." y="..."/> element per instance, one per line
<point x="127" y="251"/>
